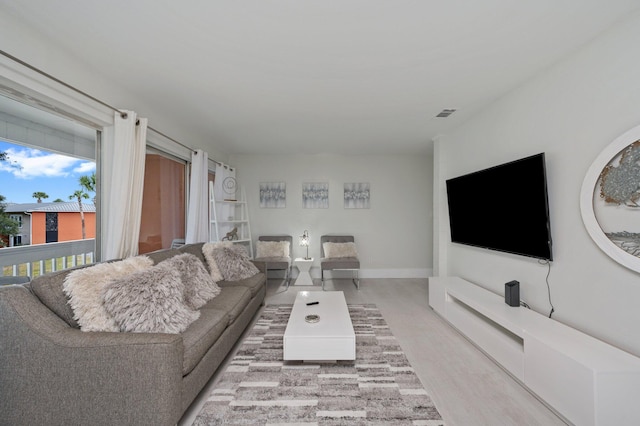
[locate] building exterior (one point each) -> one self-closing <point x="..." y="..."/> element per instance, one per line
<point x="41" y="223"/>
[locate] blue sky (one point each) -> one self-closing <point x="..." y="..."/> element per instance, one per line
<point x="32" y="170"/>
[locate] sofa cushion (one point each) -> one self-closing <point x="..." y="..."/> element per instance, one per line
<point x="234" y="263"/>
<point x="162" y="254"/>
<point x="254" y="283"/>
<point x="340" y="263"/>
<point x="199" y="287"/>
<point x="48" y="288"/>
<point x="231" y="300"/>
<point x="274" y="262"/>
<point x="196" y="250"/>
<point x="86" y="286"/>
<point x="150" y="301"/>
<point x="198" y="338"/>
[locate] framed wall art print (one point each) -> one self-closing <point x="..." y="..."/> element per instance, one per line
<point x="273" y="195"/>
<point x="357" y="195"/>
<point x="315" y="195"/>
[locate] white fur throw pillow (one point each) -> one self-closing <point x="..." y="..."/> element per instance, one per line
<point x="199" y="287"/>
<point x="150" y="301"/>
<point x="339" y="250"/>
<point x="85" y="286"/>
<point x="207" y="251"/>
<point x="272" y="249"/>
<point x="234" y="263"/>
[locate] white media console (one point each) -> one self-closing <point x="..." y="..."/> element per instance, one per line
<point x="586" y="381"/>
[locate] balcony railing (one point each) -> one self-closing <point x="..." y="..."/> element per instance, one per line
<point x="39" y="259"/>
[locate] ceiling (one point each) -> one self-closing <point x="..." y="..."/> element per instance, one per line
<point x="308" y="77"/>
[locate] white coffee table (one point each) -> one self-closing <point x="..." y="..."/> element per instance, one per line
<point x="330" y="339"/>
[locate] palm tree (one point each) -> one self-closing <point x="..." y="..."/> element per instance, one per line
<point x="8" y="226"/>
<point x="80" y="194"/>
<point x="88" y="183"/>
<point x="39" y="196"/>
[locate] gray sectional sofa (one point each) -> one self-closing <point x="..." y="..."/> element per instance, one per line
<point x="53" y="373"/>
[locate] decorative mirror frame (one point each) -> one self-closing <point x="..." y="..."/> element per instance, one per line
<point x="590" y="185"/>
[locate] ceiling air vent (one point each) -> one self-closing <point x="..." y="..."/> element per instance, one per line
<point x="445" y="113"/>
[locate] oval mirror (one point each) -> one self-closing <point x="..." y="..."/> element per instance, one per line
<point x="610" y="200"/>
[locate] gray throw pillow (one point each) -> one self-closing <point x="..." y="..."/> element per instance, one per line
<point x="234" y="262"/>
<point x="85" y="287"/>
<point x="199" y="287"/>
<point x="207" y="252"/>
<point x="150" y="301"/>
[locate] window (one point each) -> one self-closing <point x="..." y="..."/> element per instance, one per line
<point x="16" y="218"/>
<point x="45" y="154"/>
<point x="163" y="202"/>
<point x="51" y="227"/>
<point x="38" y="183"/>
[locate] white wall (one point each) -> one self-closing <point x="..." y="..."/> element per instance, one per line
<point x="394" y="236"/>
<point x="571" y="112"/>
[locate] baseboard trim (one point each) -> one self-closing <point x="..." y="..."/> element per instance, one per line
<point x="364" y="273"/>
<point x="377" y="273"/>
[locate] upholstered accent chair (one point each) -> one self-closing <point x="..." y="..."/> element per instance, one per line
<point x="339" y="255"/>
<point x="275" y="261"/>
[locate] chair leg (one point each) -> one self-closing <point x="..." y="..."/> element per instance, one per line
<point x="356" y="278"/>
<point x="288" y="276"/>
<point x="322" y="278"/>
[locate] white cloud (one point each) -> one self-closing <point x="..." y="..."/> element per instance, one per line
<point x="33" y="163"/>
<point x="85" y="167"/>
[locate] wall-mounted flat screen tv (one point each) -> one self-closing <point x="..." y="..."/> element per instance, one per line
<point x="503" y="208"/>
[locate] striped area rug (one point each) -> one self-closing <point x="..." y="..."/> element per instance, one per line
<point x="378" y="388"/>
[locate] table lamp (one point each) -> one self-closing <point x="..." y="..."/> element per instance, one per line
<point x="304" y="241"/>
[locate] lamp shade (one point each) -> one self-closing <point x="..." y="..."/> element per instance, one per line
<point x="304" y="242"/>
<point x="304" y="239"/>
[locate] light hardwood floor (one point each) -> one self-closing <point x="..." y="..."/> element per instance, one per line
<point x="467" y="387"/>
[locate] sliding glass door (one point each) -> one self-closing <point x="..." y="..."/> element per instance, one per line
<point x="163" y="202"/>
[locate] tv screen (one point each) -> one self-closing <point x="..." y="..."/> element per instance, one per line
<point x="503" y="208"/>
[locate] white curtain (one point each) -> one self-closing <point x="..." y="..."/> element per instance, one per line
<point x="198" y="209"/>
<point x="224" y="181"/>
<point x="123" y="157"/>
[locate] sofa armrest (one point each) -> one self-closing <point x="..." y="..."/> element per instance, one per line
<point x="54" y="374"/>
<point x="262" y="266"/>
